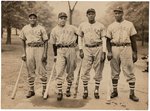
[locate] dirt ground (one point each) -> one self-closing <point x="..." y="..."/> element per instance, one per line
<point x="11" y="63"/>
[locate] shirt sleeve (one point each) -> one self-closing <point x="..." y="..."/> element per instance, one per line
<point x="21" y="35"/>
<point x="53" y="37"/>
<point x="109" y="33"/>
<point x="79" y="31"/>
<point x="133" y="30"/>
<point x="103" y="31"/>
<point x="44" y="34"/>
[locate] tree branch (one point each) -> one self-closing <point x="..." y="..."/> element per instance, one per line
<point x="74" y="5"/>
<point x="69" y="5"/>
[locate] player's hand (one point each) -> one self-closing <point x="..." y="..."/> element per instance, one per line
<point x="109" y="56"/>
<point x="103" y="56"/>
<point x="55" y="58"/>
<point x="81" y="54"/>
<point x="44" y="58"/>
<point x="23" y="57"/>
<point x="134" y="57"/>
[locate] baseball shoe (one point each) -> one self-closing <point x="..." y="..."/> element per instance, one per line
<point x="85" y="94"/>
<point x="68" y="93"/>
<point x="59" y="96"/>
<point x="114" y="94"/>
<point x="96" y="94"/>
<point x="43" y="95"/>
<point x="30" y="94"/>
<point x="134" y="98"/>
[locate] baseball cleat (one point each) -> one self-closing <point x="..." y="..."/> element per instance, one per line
<point x="30" y="94"/>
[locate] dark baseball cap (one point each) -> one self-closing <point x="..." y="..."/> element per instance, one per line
<point x="119" y="8"/>
<point x="33" y="14"/>
<point x="90" y="10"/>
<point x="62" y="14"/>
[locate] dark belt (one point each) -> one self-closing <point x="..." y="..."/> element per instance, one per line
<point x="120" y="44"/>
<point x="35" y="44"/>
<point x="66" y="46"/>
<point x="91" y="46"/>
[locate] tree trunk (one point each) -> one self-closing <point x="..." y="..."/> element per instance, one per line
<point x="70" y="17"/>
<point x="143" y="33"/>
<point x="16" y="31"/>
<point x="8" y="41"/>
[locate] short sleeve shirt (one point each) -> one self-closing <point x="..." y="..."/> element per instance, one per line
<point x="63" y="35"/>
<point x="92" y="33"/>
<point x="121" y="32"/>
<point x="33" y="34"/>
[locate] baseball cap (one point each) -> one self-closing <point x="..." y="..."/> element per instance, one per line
<point x="90" y="10"/>
<point x="62" y="14"/>
<point x="33" y="14"/>
<point x="120" y="9"/>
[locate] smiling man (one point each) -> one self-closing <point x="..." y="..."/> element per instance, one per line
<point x="35" y="45"/>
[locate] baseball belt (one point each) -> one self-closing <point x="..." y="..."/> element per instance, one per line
<point x="66" y="46"/>
<point x="120" y="44"/>
<point x="95" y="45"/>
<point x="36" y="44"/>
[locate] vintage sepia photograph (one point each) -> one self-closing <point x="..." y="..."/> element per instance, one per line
<point x="74" y="55"/>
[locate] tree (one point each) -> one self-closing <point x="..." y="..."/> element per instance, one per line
<point x="71" y="10"/>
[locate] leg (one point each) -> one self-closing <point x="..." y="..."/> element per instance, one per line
<point x="31" y="71"/>
<point x="128" y="70"/>
<point x="115" y="70"/>
<point x="60" y="67"/>
<point x="86" y="67"/>
<point x="70" y="68"/>
<point x="41" y="67"/>
<point x="98" y="67"/>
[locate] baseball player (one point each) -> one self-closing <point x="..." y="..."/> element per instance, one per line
<point x="35" y="45"/>
<point x="63" y="38"/>
<point x="122" y="50"/>
<point x="91" y="36"/>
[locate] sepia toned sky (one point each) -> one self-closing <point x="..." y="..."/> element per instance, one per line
<point x="81" y="6"/>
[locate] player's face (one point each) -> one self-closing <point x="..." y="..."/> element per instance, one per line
<point x="62" y="21"/>
<point x="91" y="16"/>
<point x="32" y="20"/>
<point x="118" y="15"/>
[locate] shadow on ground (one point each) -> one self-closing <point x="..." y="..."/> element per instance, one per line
<point x="65" y="103"/>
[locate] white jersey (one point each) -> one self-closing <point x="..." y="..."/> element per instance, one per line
<point x="91" y="33"/>
<point x="121" y="32"/>
<point x="63" y="35"/>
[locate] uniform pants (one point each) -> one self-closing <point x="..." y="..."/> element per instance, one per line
<point x="122" y="56"/>
<point x="34" y="62"/>
<point x="66" y="58"/>
<point x="92" y="56"/>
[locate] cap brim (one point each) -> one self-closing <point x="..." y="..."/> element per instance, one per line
<point x="118" y="11"/>
<point x="63" y="16"/>
<point x="32" y="15"/>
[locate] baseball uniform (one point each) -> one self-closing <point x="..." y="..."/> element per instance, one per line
<point x="35" y="37"/>
<point x="65" y="40"/>
<point x="120" y="33"/>
<point x="92" y="35"/>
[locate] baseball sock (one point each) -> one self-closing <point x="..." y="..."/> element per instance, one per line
<point x="59" y="86"/>
<point x="97" y="83"/>
<point x="69" y="86"/>
<point x="85" y="84"/>
<point x="132" y="86"/>
<point x="115" y="84"/>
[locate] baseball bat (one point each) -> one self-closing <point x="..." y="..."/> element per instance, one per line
<point x="16" y="84"/>
<point x="77" y="82"/>
<point x="47" y="86"/>
<point x="109" y="86"/>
